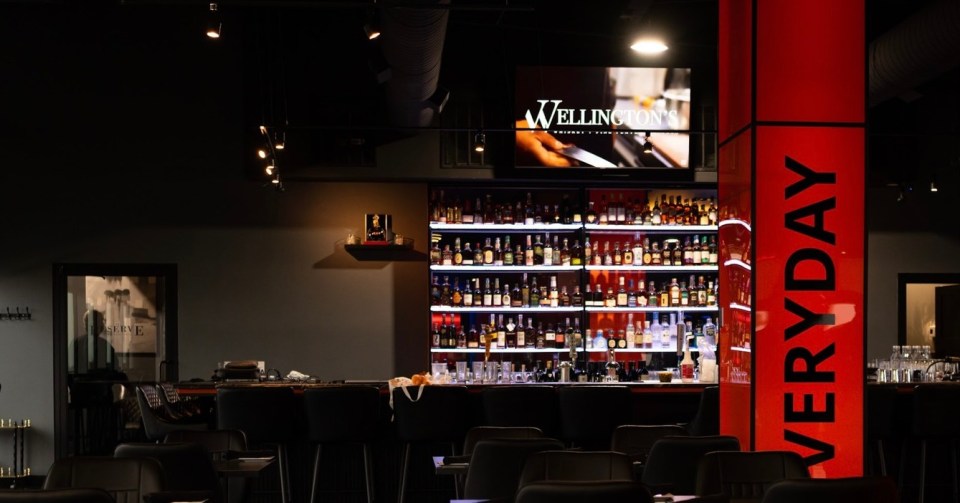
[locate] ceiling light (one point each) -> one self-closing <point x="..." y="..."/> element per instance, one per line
<point x="933" y="186"/>
<point x="263" y="129"/>
<point x="262" y="153"/>
<point x="269" y="169"/>
<point x="647" y="146"/>
<point x="649" y="46"/>
<point x="479" y="142"/>
<point x="279" y="140"/>
<point x="371" y="30"/>
<point x="213" y="24"/>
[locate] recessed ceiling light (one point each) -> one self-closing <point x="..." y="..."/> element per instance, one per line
<point x="649" y="46"/>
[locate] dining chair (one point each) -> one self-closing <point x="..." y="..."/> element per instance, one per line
<point x="584" y="491"/>
<point x="841" y="490"/>
<point x="673" y="461"/>
<point x="156" y="423"/>
<point x="127" y="480"/>
<point x="186" y="466"/>
<point x="496" y="465"/>
<point x="574" y="465"/>
<point x="744" y="477"/>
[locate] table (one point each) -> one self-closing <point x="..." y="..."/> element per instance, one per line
<point x="240" y="468"/>
<point x="451" y="469"/>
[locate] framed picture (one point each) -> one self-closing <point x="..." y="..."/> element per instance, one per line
<point x="376" y="228"/>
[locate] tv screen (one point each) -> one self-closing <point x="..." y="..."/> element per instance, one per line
<point x="602" y="118"/>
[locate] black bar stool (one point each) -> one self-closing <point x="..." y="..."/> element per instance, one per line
<point x="936" y="416"/>
<point x="880" y="419"/>
<point x="430" y="414"/>
<point x="589" y="414"/>
<point x="266" y="416"/>
<point x="343" y="414"/>
<point x="521" y="406"/>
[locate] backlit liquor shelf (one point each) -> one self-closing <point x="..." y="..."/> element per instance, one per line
<point x="508" y="268"/>
<point x="553" y="350"/>
<point x="503" y="309"/>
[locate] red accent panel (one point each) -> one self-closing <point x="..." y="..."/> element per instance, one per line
<point x="810" y="61"/>
<point x="735" y="61"/>
<point x="792" y="266"/>
<point x="735" y="189"/>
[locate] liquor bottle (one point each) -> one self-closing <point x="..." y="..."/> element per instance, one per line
<point x="488" y="255"/>
<point x="621" y="213"/>
<point x="627" y="254"/>
<point x="482" y="338"/>
<point x="641" y="295"/>
<point x="501" y="333"/>
<point x="611" y="299"/>
<point x="528" y="253"/>
<point x="436" y="256"/>
<point x="701" y="292"/>
<point x="588" y="297"/>
<point x="434" y="291"/>
<point x="653" y="298"/>
<point x="497" y="253"/>
<point x="617" y="254"/>
<point x="665" y="296"/>
<point x="710" y="331"/>
<point x="508" y="258"/>
<point x="534" y="294"/>
<point x="607" y="256"/>
<point x="591" y="213"/>
<point x="667" y="331"/>
<point x="530" y="335"/>
<point x="656" y="216"/>
<point x="547" y="252"/>
<point x="697" y="251"/>
<point x="435" y="334"/>
<point x="612" y="211"/>
<point x="711" y="294"/>
<point x="506" y="301"/>
<point x="497" y="298"/>
<point x="473" y="338"/>
<point x="576" y="336"/>
<point x="467" y="255"/>
<point x="525" y="293"/>
<point x="467" y="214"/>
<point x="461" y="338"/>
<point x="478" y="254"/>
<point x="631" y="332"/>
<point x="576" y="253"/>
<point x="528" y="216"/>
<point x="538" y="251"/>
<point x="684" y="294"/>
<point x="554" y="293"/>
<point x="565" y="259"/>
<point x="550" y="337"/>
<point x="521" y="337"/>
<point x="677" y="253"/>
<point x="477" y="293"/>
<point x="656" y="334"/>
<point x="564" y="297"/>
<point x="638" y="257"/>
<point x="516" y="296"/>
<point x="445" y="291"/>
<point x="576" y="298"/>
<point x="621" y="293"/>
<point x="541" y="336"/>
<point x="674" y="293"/>
<point x="621" y="339"/>
<point x="587" y="251"/>
<point x="511" y="333"/>
<point x="561" y="338"/>
<point x="647" y="334"/>
<point x="487" y="293"/>
<point x="478" y="212"/>
<point x="655" y="257"/>
<point x="631" y="295"/>
<point x="598" y="255"/>
<point x="457" y="252"/>
<point x="713" y="251"/>
<point x="468" y="295"/>
<point x="687" y="252"/>
<point x="456" y="297"/>
<point x="686" y="365"/>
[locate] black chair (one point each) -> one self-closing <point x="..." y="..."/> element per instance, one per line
<point x="707" y="420"/>
<point x="746" y="476"/>
<point x="672" y="463"/>
<point x="343" y="414"/>
<point x="521" y="406"/>
<point x="187" y="467"/>
<point x="843" y="490"/>
<point x="936" y="409"/>
<point x="496" y="465"/>
<point x="580" y="492"/>
<point x="480" y="433"/>
<point x="219" y="445"/>
<point x="636" y="440"/>
<point x="266" y="415"/>
<point x="56" y="496"/>
<point x="186" y="410"/>
<point x="589" y="414"/>
<point x="127" y="480"/>
<point x="156" y="423"/>
<point x="581" y="466"/>
<point x="431" y="414"/>
<point x="881" y="424"/>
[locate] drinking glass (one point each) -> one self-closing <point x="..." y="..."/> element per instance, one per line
<point x="507" y="372"/>
<point x="461" y="372"/>
<point x="477" y="372"/>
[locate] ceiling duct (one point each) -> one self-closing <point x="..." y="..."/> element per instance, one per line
<point x="413" y="38"/>
<point x="915" y="51"/>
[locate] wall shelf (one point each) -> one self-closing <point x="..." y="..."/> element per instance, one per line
<point x="385" y="252"/>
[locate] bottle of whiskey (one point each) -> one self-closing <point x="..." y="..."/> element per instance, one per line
<point x="508" y="258"/>
<point x="468" y="294"/>
<point x="561" y="338"/>
<point x="521" y="337"/>
<point x="550" y="337"/>
<point x="642" y="295"/>
<point x="525" y="293"/>
<point x="554" y="294"/>
<point x="674" y="293"/>
<point x="576" y="298"/>
<point x="497" y="253"/>
<point x="497" y="297"/>
<point x="587" y="251"/>
<point x="478" y="255"/>
<point x="538" y="251"/>
<point x="456" y="297"/>
<point x="534" y="294"/>
<point x="467" y="254"/>
<point x="487" y="293"/>
<point x="530" y="335"/>
<point x="548" y="252"/>
<point x="506" y="301"/>
<point x="528" y="259"/>
<point x="541" y="336"/>
<point x="516" y="296"/>
<point x="621" y="294"/>
<point x="436" y="256"/>
<point x="461" y="338"/>
<point x="501" y="333"/>
<point x="511" y="333"/>
<point x="445" y="291"/>
<point x="576" y="253"/>
<point x="488" y="255"/>
<point x="631" y="295"/>
<point x="630" y="332"/>
<point x="627" y="254"/>
<point x="473" y="338"/>
<point x="435" y="334"/>
<point x="457" y="253"/>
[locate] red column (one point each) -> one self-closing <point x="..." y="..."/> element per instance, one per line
<point x="792" y="108"/>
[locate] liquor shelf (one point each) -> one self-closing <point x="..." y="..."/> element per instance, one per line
<point x="653" y="309"/>
<point x="686" y="229"/>
<point x="654" y="268"/>
<point x="509" y="268"/>
<point x="517" y="227"/>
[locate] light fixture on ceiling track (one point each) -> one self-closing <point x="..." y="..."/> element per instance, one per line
<point x="372" y="26"/>
<point x="479" y="141"/>
<point x="213" y="23"/>
<point x="649" y="46"/>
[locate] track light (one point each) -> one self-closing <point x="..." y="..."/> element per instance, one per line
<point x="933" y="186"/>
<point x="647" y="146"/>
<point x="263" y="129"/>
<point x="479" y="142"/>
<point x="213" y="24"/>
<point x="279" y="139"/>
<point x="649" y="46"/>
<point x="262" y="153"/>
<point x="270" y="169"/>
<point x="372" y="28"/>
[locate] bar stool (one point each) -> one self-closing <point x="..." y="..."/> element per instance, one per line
<point x="265" y="415"/>
<point x="429" y="414"/>
<point x="707" y="420"/>
<point x="880" y="419"/>
<point x="521" y="406"/>
<point x="343" y="414"/>
<point x="589" y="414"/>
<point x="936" y="416"/>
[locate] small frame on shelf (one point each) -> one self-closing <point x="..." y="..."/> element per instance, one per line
<point x="377" y="228"/>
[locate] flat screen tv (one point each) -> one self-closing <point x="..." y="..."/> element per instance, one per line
<point x="602" y="120"/>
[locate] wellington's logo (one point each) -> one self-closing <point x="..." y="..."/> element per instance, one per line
<point x="551" y="114"/>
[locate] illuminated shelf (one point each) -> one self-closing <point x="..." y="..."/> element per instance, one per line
<point x="655" y="268"/>
<point x="500" y="350"/>
<point x="648" y="309"/>
<point x="501" y="309"/>
<point x="505" y="268"/>
<point x="504" y="227"/>
<point x="637" y="350"/>
<point x="649" y="228"/>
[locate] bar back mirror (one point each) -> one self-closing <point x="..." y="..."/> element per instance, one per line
<point x="114" y="325"/>
<point x="929" y="311"/>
